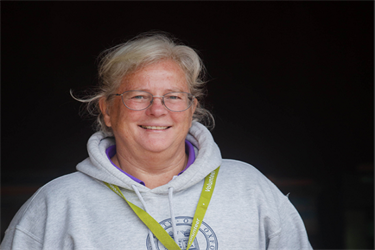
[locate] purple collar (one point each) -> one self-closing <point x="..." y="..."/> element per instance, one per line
<point x="111" y="151"/>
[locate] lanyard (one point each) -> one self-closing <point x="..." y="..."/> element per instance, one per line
<point x="158" y="230"/>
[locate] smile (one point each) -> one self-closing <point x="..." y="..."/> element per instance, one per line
<point x="153" y="127"/>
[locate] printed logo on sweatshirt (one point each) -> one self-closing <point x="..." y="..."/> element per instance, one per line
<point x="205" y="239"/>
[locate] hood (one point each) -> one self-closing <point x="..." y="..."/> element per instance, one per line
<point x="208" y="158"/>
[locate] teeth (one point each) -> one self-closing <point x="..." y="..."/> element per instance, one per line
<point x="153" y="127"/>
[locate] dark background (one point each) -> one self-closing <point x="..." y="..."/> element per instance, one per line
<point x="290" y="85"/>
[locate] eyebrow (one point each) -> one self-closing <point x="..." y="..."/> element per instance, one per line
<point x="165" y="91"/>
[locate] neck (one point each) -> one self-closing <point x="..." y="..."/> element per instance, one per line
<point x="154" y="169"/>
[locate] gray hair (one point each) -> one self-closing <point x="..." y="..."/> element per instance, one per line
<point x="148" y="48"/>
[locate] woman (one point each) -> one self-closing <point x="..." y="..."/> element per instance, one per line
<point x="154" y="178"/>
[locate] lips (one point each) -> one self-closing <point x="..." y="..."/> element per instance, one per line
<point x="155" y="127"/>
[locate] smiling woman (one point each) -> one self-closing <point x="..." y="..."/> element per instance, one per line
<point x="146" y="138"/>
<point x="152" y="151"/>
<point x="119" y="63"/>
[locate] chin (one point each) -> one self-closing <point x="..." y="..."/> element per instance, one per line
<point x="155" y="146"/>
<point x="155" y="149"/>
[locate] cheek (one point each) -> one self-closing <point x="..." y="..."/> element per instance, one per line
<point x="129" y="120"/>
<point x="125" y="117"/>
<point x="186" y="119"/>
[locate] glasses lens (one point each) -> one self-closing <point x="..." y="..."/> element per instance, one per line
<point x="136" y="100"/>
<point x="178" y="101"/>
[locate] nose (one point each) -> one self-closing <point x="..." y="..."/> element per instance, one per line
<point x="157" y="107"/>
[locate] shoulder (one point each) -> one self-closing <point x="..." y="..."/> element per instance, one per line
<point x="245" y="180"/>
<point x="241" y="170"/>
<point x="53" y="196"/>
<point x="246" y="177"/>
<point x="239" y="165"/>
<point x="70" y="185"/>
<point x="66" y="183"/>
<point x="54" y="199"/>
<point x="56" y="193"/>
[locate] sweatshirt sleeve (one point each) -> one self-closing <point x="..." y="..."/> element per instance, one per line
<point x="293" y="235"/>
<point x="19" y="239"/>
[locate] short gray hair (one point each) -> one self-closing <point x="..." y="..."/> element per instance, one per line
<point x="148" y="48"/>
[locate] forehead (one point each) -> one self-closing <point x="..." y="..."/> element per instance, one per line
<point x="163" y="75"/>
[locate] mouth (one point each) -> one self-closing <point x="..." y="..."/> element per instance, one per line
<point x="154" y="127"/>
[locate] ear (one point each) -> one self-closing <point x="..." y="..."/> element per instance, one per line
<point x="104" y="108"/>
<point x="195" y="104"/>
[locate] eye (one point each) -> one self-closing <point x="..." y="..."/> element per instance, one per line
<point x="139" y="97"/>
<point x="136" y="96"/>
<point x="173" y="97"/>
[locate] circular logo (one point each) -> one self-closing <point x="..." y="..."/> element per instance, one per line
<point x="205" y="239"/>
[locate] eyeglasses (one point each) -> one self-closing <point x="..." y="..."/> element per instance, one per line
<point x="140" y="100"/>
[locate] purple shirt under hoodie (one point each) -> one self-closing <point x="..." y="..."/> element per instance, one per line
<point x="111" y="151"/>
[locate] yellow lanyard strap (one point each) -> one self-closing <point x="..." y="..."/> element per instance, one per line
<point x="158" y="230"/>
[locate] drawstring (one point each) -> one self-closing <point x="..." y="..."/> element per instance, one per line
<point x="144" y="205"/>
<point x="170" y="193"/>
<point x="170" y="196"/>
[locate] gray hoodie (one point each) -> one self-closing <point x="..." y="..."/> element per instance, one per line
<point x="78" y="211"/>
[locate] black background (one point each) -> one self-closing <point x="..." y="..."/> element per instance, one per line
<point x="290" y="86"/>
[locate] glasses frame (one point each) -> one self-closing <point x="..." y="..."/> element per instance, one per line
<point x="190" y="96"/>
